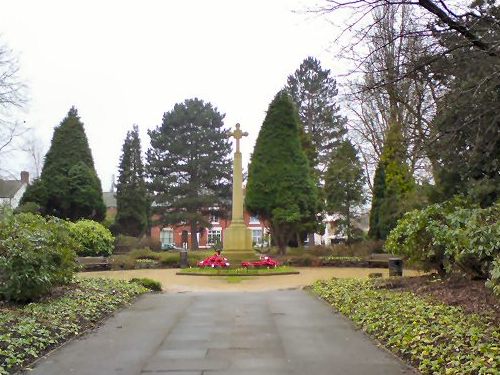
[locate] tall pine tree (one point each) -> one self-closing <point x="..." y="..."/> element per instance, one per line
<point x="280" y="186"/>
<point x="68" y="186"/>
<point x="315" y="92"/>
<point x="189" y="165"/>
<point x="131" y="194"/>
<point x="344" y="184"/>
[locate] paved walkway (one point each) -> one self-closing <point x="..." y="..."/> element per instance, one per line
<point x="247" y="333"/>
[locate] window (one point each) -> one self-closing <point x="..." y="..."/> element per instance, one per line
<point x="254" y="220"/>
<point x="167" y="236"/>
<point x="214" y="236"/>
<point x="214" y="217"/>
<point x="257" y="236"/>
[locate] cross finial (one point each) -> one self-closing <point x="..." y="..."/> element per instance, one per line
<point x="238" y="134"/>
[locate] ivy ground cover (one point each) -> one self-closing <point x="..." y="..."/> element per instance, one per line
<point x="29" y="331"/>
<point x="435" y="338"/>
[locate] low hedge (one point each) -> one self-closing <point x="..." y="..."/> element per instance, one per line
<point x="436" y="338"/>
<point x="28" y="332"/>
<point x="147" y="283"/>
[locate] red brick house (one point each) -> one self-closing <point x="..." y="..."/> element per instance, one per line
<point x="176" y="235"/>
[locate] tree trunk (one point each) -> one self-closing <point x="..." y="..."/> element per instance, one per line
<point x="194" y="238"/>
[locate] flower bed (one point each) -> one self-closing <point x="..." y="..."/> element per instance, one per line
<point x="436" y="338"/>
<point x="281" y="270"/>
<point x="29" y="331"/>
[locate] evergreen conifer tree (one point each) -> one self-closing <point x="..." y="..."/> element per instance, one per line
<point x="68" y="186"/>
<point x="280" y="186"/>
<point x="395" y="195"/>
<point x="344" y="183"/>
<point x="377" y="199"/>
<point x="131" y="195"/>
<point x="314" y="92"/>
<point x="189" y="165"/>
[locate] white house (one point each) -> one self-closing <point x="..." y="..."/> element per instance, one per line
<point x="11" y="191"/>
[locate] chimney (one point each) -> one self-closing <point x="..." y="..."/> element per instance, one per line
<point x="25" y="177"/>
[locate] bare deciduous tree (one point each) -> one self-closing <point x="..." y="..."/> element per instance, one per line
<point x="12" y="96"/>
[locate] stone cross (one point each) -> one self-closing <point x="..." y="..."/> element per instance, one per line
<point x="238" y="134"/>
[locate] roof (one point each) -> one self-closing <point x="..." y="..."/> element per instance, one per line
<point x="9" y="188"/>
<point x="109" y="198"/>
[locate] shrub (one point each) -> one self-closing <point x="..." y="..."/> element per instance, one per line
<point x="147" y="283"/>
<point x="359" y="249"/>
<point x="170" y="259"/>
<point x="153" y="244"/>
<point x="320" y="250"/>
<point x="447" y="235"/>
<point x="124" y="244"/>
<point x="35" y="255"/>
<point x="494" y="282"/>
<point x="122" y="262"/>
<point x="94" y="238"/>
<point x="145" y="253"/>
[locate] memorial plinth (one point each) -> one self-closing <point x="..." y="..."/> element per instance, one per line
<point x="237" y="239"/>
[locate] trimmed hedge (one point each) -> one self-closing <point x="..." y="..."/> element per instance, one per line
<point x="28" y="332"/>
<point x="436" y="338"/>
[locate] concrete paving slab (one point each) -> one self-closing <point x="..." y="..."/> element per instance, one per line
<point x="274" y="332"/>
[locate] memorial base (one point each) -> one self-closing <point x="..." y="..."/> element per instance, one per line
<point x="237" y="245"/>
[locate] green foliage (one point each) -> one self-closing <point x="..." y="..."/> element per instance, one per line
<point x="122" y="262"/>
<point x="28" y="332"/>
<point x="147" y="283"/>
<point x="494" y="282"/>
<point x="314" y="92"/>
<point x="437" y="339"/>
<point x="344" y="184"/>
<point x="376" y="231"/>
<point x="94" y="238"/>
<point x="447" y="235"/>
<point x="280" y="186"/>
<point x="68" y="186"/>
<point x="394" y="185"/>
<point x="144" y="254"/>
<point x="36" y="254"/>
<point x="131" y="195"/>
<point x="189" y="164"/>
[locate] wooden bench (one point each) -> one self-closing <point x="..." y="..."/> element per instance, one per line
<point x="94" y="263"/>
<point x="380" y="260"/>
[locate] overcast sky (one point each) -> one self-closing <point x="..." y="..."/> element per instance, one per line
<point x="127" y="62"/>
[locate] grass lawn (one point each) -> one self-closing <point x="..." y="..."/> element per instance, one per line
<point x="434" y="337"/>
<point x="29" y="331"/>
<point x="283" y="270"/>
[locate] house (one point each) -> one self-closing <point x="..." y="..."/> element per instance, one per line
<point x="11" y="191"/>
<point x="180" y="235"/>
<point x="334" y="235"/>
<point x="109" y="198"/>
